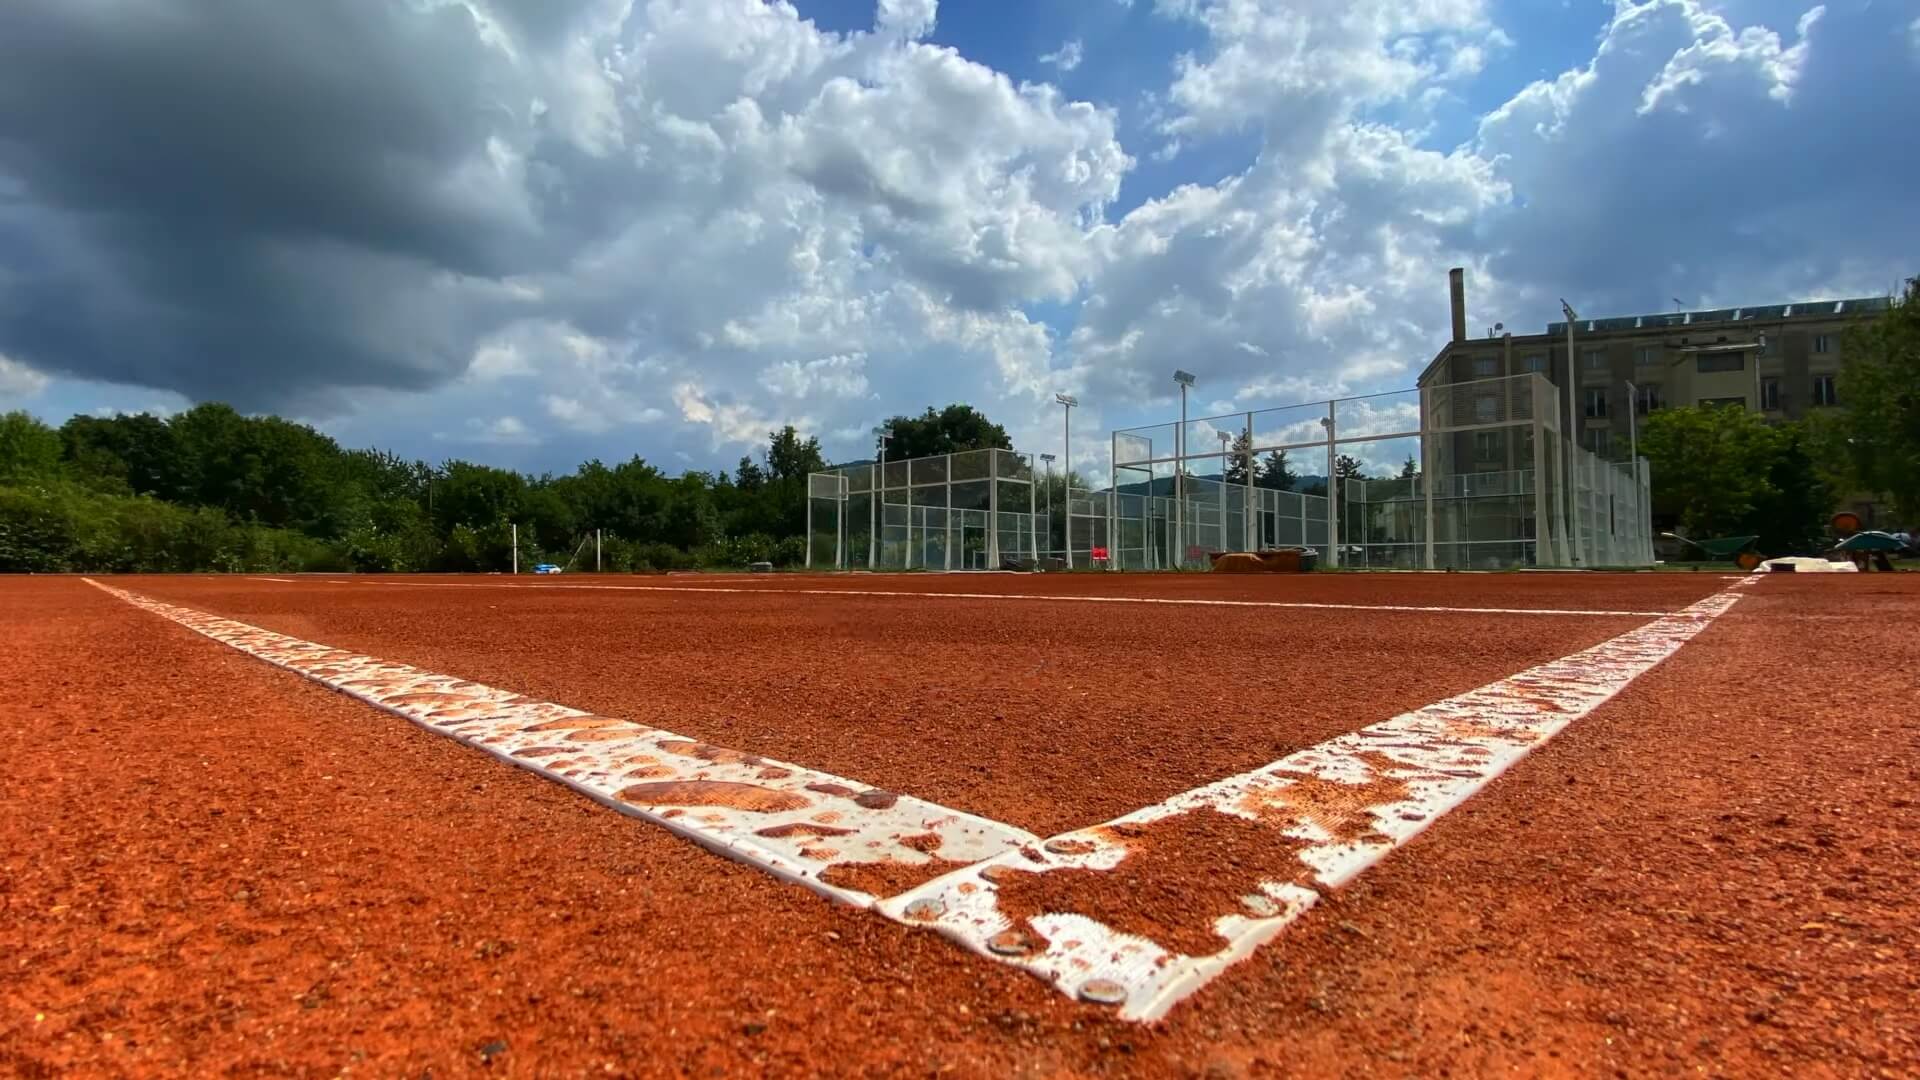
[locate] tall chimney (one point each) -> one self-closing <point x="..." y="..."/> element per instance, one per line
<point x="1457" y="286"/>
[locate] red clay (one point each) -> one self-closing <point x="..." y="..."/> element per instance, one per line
<point x="210" y="866"/>
<point x="1046" y="716"/>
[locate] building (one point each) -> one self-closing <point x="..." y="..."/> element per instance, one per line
<point x="1781" y="360"/>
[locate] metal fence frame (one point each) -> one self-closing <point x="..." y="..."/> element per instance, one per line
<point x="925" y="513"/>
<point x="1497" y="483"/>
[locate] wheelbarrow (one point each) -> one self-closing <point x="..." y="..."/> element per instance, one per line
<point x="1737" y="549"/>
<point x="1870" y="548"/>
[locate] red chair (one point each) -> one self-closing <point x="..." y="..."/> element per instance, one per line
<point x="1100" y="557"/>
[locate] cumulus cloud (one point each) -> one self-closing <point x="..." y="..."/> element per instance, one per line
<point x="712" y="188"/>
<point x="682" y="223"/>
<point x="1066" y="57"/>
<point x="1693" y="156"/>
<point x="18" y="381"/>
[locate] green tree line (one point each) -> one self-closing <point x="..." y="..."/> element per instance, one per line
<point x="212" y="489"/>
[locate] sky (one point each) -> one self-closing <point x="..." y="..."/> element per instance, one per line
<point x="535" y="232"/>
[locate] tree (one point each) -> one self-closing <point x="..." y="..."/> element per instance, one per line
<point x="1242" y="456"/>
<point x="949" y="431"/>
<point x="1410" y="470"/>
<point x="790" y="457"/>
<point x="1879" y="388"/>
<point x="29" y="449"/>
<point x="749" y="477"/>
<point x="1275" y="473"/>
<point x="1348" y="468"/>
<point x="1790" y="514"/>
<point x="1724" y="471"/>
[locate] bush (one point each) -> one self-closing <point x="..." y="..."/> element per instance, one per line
<point x="658" y="556"/>
<point x="791" y="551"/>
<point x="61" y="527"/>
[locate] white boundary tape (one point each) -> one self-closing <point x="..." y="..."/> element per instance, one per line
<point x="792" y="822"/>
<point x="1432" y="759"/>
<point x="1064" y="599"/>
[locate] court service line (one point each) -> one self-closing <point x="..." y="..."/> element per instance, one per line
<point x="1182" y="601"/>
<point x="795" y="823"/>
<point x="1310" y="821"/>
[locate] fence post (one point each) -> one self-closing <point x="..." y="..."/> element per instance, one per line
<point x="1426" y="468"/>
<point x="1333" y="489"/>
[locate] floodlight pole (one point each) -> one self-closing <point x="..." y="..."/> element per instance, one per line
<point x="873" y="502"/>
<point x="1573" y="442"/>
<point x="1067" y="401"/>
<point x="1185" y="379"/>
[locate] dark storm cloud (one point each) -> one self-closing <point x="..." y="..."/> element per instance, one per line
<point x="252" y="201"/>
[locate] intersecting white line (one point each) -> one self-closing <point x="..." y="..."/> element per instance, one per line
<point x="1042" y="597"/>
<point x="1442" y="754"/>
<point x="1426" y="762"/>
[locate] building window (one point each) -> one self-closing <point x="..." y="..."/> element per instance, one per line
<point x="1824" y="391"/>
<point x="1486" y="445"/>
<point x="1770" y="394"/>
<point x="1536" y="362"/>
<point x="1596" y="360"/>
<point x="1646" y="398"/>
<point x="1823" y="343"/>
<point x="1486" y="367"/>
<point x="1646" y="356"/>
<point x="1601" y="440"/>
<point x="1727" y="361"/>
<point x="1486" y="409"/>
<point x="1596" y="404"/>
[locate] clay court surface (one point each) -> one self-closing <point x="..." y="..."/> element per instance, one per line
<point x="212" y="866"/>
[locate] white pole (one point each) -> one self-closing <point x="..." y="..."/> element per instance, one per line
<point x="1426" y="469"/>
<point x="1333" y="491"/>
<point x="1033" y="518"/>
<point x="1543" y="538"/>
<point x="1633" y="422"/>
<point x="873" y="505"/>
<point x="1113" y="502"/>
<point x="596" y="551"/>
<point x="809" y="523"/>
<point x="993" y="510"/>
<point x="1249" y="522"/>
<point x="1066" y="460"/>
<point x="516" y="547"/>
<point x="1573" y="442"/>
<point x="1180" y="484"/>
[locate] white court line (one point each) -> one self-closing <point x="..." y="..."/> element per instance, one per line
<point x="1339" y="807"/>
<point x="775" y="591"/>
<point x="792" y="822"/>
<point x="288" y="580"/>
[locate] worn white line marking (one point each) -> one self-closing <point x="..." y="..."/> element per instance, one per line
<point x="288" y="580"/>
<point x="793" y="822"/>
<point x="1339" y="807"/>
<point x="1033" y="596"/>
